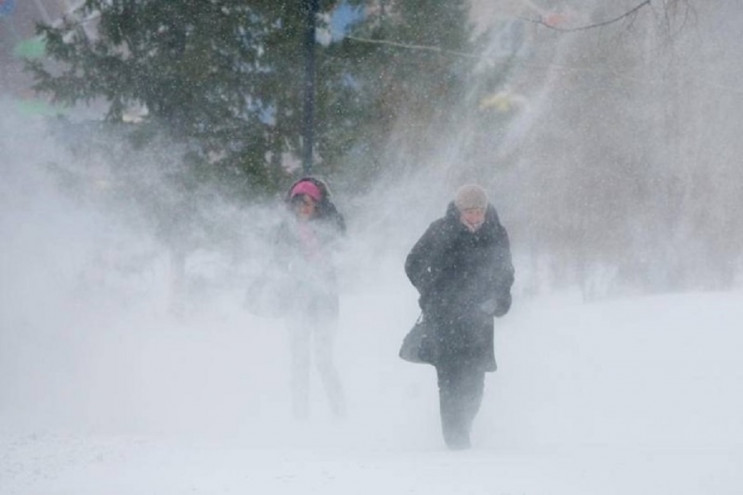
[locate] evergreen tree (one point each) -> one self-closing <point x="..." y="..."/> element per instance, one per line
<point x="226" y="77"/>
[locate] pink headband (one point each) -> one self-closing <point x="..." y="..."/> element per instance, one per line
<point x="308" y="188"/>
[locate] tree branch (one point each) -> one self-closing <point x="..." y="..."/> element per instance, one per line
<point x="590" y="26"/>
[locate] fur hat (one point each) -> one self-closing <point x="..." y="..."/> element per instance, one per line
<point x="470" y="196"/>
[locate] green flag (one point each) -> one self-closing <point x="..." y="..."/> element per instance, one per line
<point x="30" y="48"/>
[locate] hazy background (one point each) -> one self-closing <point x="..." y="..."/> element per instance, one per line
<point x="617" y="173"/>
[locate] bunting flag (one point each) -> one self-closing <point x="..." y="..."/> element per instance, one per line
<point x="37" y="107"/>
<point x="6" y="7"/>
<point x="30" y="48"/>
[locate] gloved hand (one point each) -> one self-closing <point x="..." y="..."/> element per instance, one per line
<point x="496" y="306"/>
<point x="489" y="306"/>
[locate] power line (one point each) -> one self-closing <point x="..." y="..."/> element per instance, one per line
<point x="412" y="46"/>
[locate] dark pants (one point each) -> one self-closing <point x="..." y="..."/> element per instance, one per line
<point x="461" y="385"/>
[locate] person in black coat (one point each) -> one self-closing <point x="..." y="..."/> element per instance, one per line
<point x="462" y="269"/>
<point x="305" y="249"/>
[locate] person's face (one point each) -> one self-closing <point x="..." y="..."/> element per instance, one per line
<point x="304" y="206"/>
<point x="472" y="218"/>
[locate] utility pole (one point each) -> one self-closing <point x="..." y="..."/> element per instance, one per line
<point x="312" y="7"/>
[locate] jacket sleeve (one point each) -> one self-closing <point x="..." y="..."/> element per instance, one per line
<point x="422" y="264"/>
<point x="503" y="273"/>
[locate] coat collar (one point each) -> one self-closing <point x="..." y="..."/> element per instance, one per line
<point x="491" y="219"/>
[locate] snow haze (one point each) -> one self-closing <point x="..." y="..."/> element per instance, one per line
<point x="129" y="366"/>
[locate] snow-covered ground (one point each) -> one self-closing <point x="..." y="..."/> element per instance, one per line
<point x="633" y="396"/>
<point x="104" y="390"/>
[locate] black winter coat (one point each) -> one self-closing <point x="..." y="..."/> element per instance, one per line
<point x="456" y="272"/>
